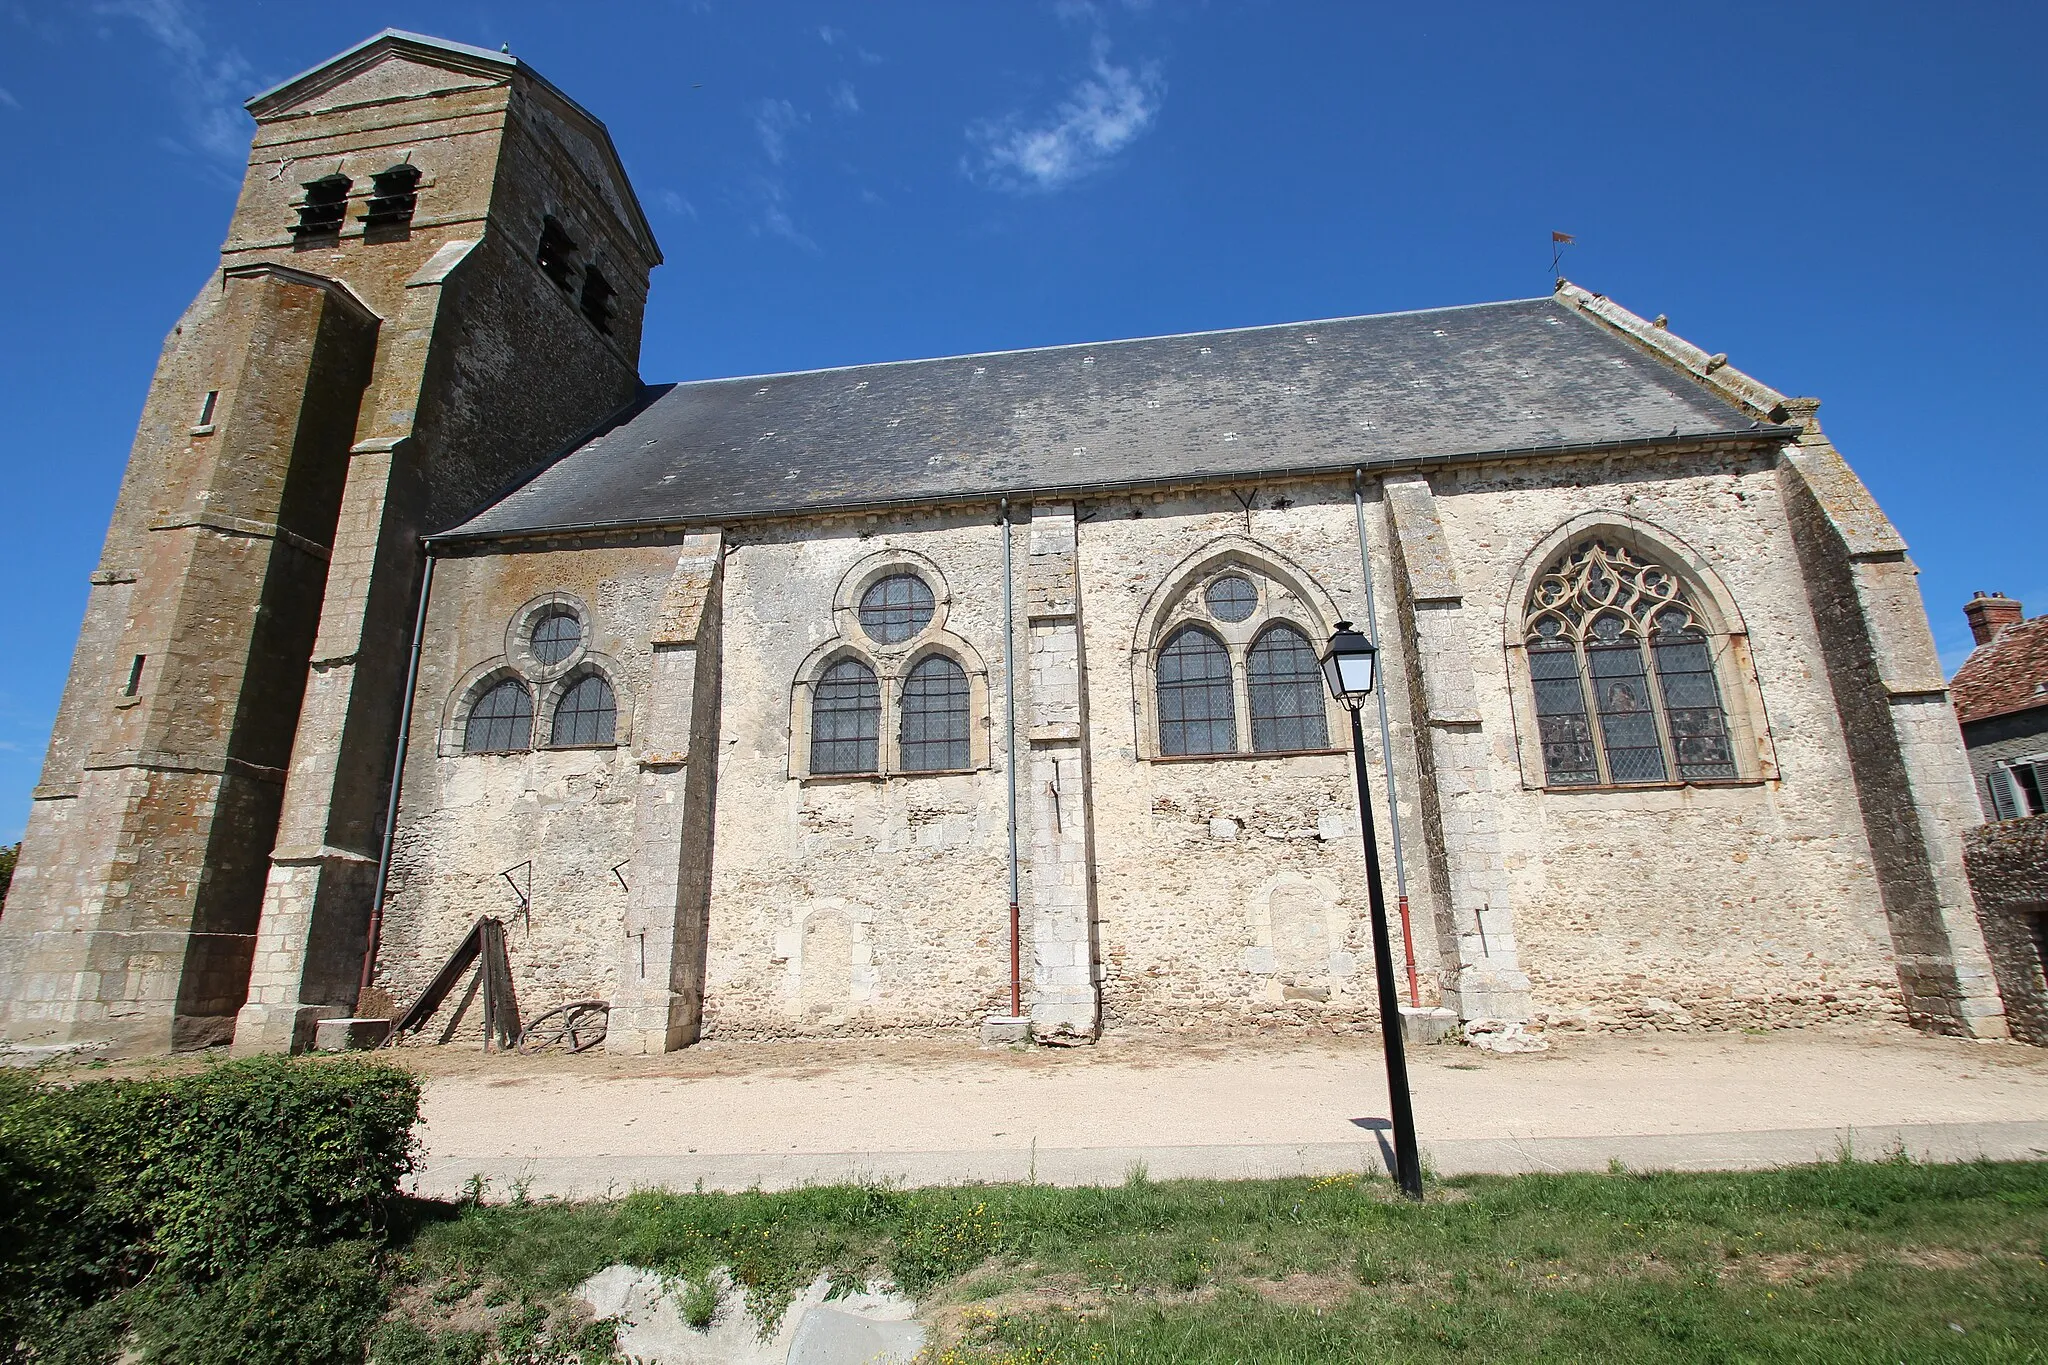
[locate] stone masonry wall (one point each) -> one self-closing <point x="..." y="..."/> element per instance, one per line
<point x="2008" y="864"/>
<point x="467" y="818"/>
<point x="850" y="904"/>
<point x="1225" y="890"/>
<point x="1751" y="903"/>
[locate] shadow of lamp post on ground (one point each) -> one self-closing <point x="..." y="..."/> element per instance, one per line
<point x="1348" y="666"/>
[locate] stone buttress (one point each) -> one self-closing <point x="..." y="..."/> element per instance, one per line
<point x="1053" y="807"/>
<point x="659" y="1004"/>
<point x="1475" y="919"/>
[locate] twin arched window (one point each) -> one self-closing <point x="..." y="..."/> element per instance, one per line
<point x="846" y="718"/>
<point x="1622" y="667"/>
<point x="1198" y="693"/>
<point x="501" y="721"/>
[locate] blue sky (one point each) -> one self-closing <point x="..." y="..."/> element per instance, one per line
<point x="1848" y="199"/>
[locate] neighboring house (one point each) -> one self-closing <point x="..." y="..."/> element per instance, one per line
<point x="2001" y="698"/>
<point x="768" y="706"/>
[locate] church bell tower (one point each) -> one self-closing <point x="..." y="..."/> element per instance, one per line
<point x="434" y="279"/>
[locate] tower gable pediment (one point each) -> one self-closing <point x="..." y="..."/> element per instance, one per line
<point x="391" y="65"/>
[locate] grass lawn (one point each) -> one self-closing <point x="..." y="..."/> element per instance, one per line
<point x="1850" y="1261"/>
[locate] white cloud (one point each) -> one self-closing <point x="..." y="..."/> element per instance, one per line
<point x="7" y="98"/>
<point x="774" y="121"/>
<point x="830" y="35"/>
<point x="775" y="219"/>
<point x="843" y="98"/>
<point x="212" y="81"/>
<point x="1105" y="112"/>
<point x="677" y="204"/>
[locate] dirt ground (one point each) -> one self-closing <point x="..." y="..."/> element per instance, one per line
<point x="937" y="1109"/>
<point x="926" y="1095"/>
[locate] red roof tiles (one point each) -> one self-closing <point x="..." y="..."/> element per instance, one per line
<point x="2008" y="674"/>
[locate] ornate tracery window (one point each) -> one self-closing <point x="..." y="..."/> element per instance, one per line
<point x="1622" y="666"/>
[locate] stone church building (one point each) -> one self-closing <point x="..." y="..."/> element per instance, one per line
<point x="752" y="705"/>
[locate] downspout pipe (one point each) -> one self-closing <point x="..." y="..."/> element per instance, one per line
<point x="412" y="675"/>
<point x="1386" y="744"/>
<point x="1010" y="764"/>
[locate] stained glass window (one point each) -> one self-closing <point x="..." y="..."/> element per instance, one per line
<point x="846" y="720"/>
<point x="1601" y="620"/>
<point x="935" y="715"/>
<point x="895" y="608"/>
<point x="1286" y="685"/>
<point x="501" y="721"/>
<point x="1197" y="712"/>
<point x="588" y="713"/>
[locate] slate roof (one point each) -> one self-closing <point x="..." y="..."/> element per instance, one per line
<point x="1521" y="376"/>
<point x="2007" y="673"/>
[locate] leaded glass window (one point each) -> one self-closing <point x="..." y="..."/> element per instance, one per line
<point x="896" y="608"/>
<point x="588" y="713"/>
<point x="1601" y="620"/>
<point x="555" y="637"/>
<point x="846" y="720"/>
<point x="1285" y="680"/>
<point x="1197" y="710"/>
<point x="501" y="721"/>
<point x="935" y="713"/>
<point x="1232" y="598"/>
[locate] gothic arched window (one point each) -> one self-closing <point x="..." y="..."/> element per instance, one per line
<point x="935" y="711"/>
<point x="846" y="720"/>
<point x="501" y="721"/>
<point x="1285" y="681"/>
<point x="1197" y="708"/>
<point x="588" y="713"/>
<point x="1622" y="667"/>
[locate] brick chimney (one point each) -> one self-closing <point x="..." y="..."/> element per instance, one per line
<point x="1990" y="613"/>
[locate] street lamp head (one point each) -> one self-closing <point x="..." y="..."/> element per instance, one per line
<point x="1348" y="665"/>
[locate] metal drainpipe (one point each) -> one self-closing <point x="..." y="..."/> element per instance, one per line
<point x="412" y="674"/>
<point x="1386" y="744"/>
<point x="1010" y="741"/>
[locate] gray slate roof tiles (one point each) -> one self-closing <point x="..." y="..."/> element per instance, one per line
<point x="1392" y="388"/>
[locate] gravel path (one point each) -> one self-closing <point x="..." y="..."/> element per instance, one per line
<point x="923" y="1111"/>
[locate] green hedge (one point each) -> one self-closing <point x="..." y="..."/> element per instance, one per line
<point x="194" y="1182"/>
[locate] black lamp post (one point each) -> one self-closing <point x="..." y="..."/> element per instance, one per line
<point x="1348" y="666"/>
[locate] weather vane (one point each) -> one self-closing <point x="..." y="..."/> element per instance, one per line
<point x="1558" y="242"/>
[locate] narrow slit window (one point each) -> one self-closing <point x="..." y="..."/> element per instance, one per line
<point x="1285" y="680"/>
<point x="135" y="676"/>
<point x="1197" y="705"/>
<point x="935" y="717"/>
<point x="206" y="406"/>
<point x="557" y="253"/>
<point x="394" y="194"/>
<point x="597" y="300"/>
<point x="324" y="207"/>
<point x="846" y="720"/>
